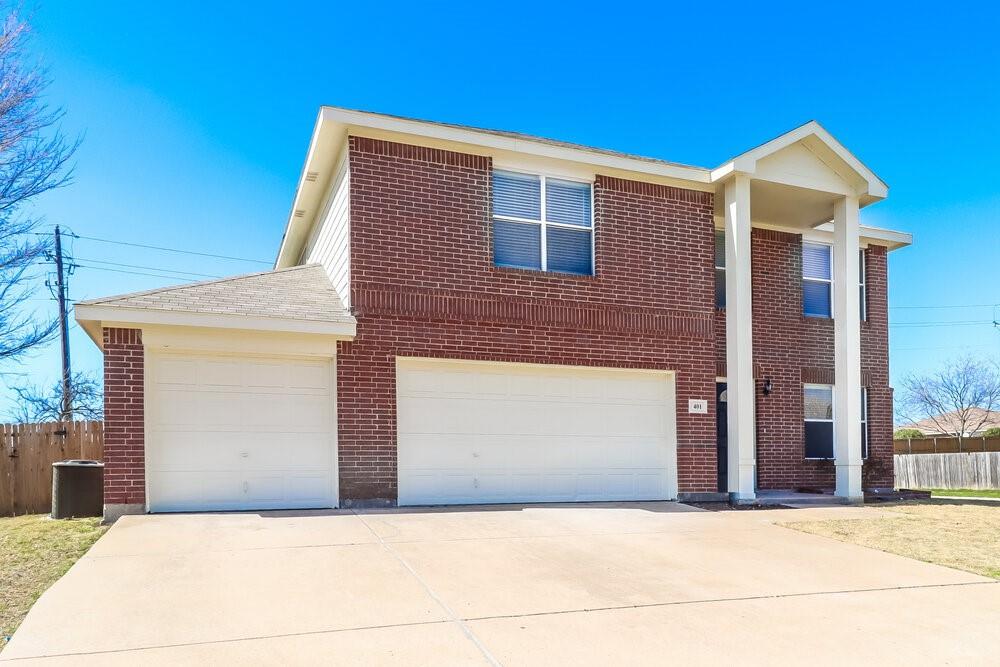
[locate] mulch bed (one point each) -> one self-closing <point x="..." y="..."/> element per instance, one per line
<point x="727" y="507"/>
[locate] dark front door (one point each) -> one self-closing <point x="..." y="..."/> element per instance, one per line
<point x="722" y="435"/>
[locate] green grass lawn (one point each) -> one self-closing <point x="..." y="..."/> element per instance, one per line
<point x="966" y="493"/>
<point x="34" y="552"/>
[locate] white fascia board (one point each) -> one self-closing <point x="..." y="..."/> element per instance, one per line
<point x="100" y="315"/>
<point x="888" y="237"/>
<point x="308" y="194"/>
<point x="333" y="125"/>
<point x="746" y="162"/>
<point x="525" y="145"/>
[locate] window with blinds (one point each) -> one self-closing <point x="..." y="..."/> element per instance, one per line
<point x="817" y="280"/>
<point x="542" y="223"/>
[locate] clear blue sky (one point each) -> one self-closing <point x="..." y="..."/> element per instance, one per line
<point x="197" y="116"/>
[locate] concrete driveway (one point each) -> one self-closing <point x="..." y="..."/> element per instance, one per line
<point x="585" y="584"/>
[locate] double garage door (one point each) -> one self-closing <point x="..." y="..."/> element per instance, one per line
<point x="233" y="433"/>
<point x="497" y="432"/>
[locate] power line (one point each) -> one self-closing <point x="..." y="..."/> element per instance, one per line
<point x="914" y="325"/>
<point x="134" y="273"/>
<point x="968" y="305"/>
<point x="139" y="266"/>
<point x="177" y="250"/>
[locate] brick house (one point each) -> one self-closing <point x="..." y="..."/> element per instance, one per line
<point x="460" y="315"/>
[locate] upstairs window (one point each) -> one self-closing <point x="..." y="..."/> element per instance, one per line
<point x="542" y="223"/>
<point x="817" y="280"/>
<point x="720" y="269"/>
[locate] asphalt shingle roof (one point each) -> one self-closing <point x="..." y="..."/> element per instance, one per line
<point x="299" y="293"/>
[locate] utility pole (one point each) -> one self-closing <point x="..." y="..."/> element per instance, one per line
<point x="61" y="287"/>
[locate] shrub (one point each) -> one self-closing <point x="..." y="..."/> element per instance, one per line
<point x="993" y="432"/>
<point x="906" y="434"/>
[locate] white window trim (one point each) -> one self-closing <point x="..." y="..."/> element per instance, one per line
<point x="717" y="267"/>
<point x="544" y="224"/>
<point x="833" y="407"/>
<point x="833" y="290"/>
<point x="833" y="412"/>
<point x="717" y="232"/>
<point x="864" y="422"/>
<point x="863" y="285"/>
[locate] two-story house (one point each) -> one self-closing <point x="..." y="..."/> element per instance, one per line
<point x="459" y="315"/>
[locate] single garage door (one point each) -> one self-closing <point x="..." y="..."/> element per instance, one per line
<point x="232" y="433"/>
<point x="472" y="432"/>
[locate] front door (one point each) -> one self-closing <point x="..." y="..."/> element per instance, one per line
<point x="722" y="436"/>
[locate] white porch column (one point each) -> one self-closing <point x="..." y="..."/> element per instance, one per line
<point x="847" y="350"/>
<point x="739" y="341"/>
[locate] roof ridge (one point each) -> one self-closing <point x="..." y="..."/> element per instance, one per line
<point x="199" y="283"/>
<point x="513" y="134"/>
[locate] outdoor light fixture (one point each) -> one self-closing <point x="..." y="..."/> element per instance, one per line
<point x="767" y="386"/>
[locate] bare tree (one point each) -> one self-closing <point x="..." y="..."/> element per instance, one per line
<point x="37" y="404"/>
<point x="957" y="400"/>
<point x="34" y="157"/>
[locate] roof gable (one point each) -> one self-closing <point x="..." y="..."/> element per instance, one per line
<point x="808" y="156"/>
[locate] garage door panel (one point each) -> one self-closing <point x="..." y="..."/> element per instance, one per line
<point x="434" y="451"/>
<point x="239" y="433"/>
<point x="308" y="489"/>
<point x="296" y="451"/>
<point x="310" y="413"/>
<point x="183" y="451"/>
<point x="633" y="420"/>
<point x="175" y="372"/>
<point x="175" y="408"/>
<point x="451" y="488"/>
<point x="265" y="375"/>
<point x="472" y="432"/>
<point x="218" y="373"/>
<point x="190" y="489"/>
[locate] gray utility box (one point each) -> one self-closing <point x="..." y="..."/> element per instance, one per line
<point x="77" y="489"/>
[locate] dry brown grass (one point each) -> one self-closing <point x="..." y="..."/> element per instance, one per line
<point x="35" y="551"/>
<point x="961" y="534"/>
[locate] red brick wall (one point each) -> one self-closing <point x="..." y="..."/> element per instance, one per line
<point x="791" y="349"/>
<point x="423" y="284"/>
<point x="124" y="446"/>
<point x="875" y="368"/>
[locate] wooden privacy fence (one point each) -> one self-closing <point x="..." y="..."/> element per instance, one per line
<point x="27" y="452"/>
<point x="972" y="470"/>
<point x="945" y="445"/>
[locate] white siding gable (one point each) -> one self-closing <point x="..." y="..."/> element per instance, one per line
<point x="329" y="243"/>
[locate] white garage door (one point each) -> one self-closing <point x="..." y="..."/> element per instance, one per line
<point x="229" y="433"/>
<point x="491" y="433"/>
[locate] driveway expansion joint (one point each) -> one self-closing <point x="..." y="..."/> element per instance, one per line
<point x="454" y="618"/>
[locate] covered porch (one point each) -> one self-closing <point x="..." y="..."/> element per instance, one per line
<point x="804" y="182"/>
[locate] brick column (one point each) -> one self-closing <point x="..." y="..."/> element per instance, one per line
<point x="124" y="425"/>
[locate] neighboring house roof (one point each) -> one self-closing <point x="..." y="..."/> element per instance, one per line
<point x="952" y="422"/>
<point x="300" y="298"/>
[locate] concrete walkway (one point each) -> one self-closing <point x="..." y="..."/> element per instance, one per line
<point x="978" y="499"/>
<point x="540" y="585"/>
